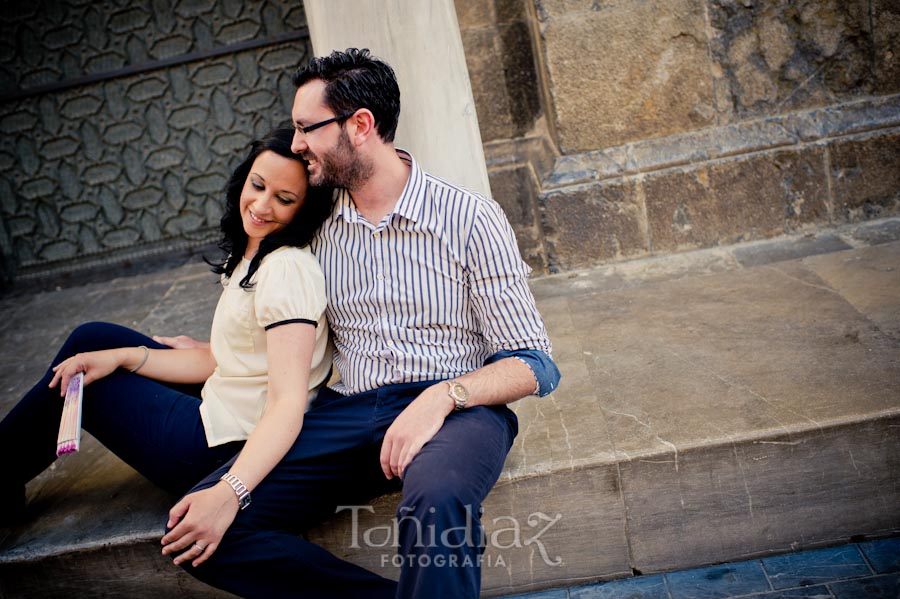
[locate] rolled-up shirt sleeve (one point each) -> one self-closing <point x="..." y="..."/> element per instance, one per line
<point x="502" y="300"/>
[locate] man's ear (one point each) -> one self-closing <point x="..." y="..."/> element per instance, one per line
<point x="361" y="126"/>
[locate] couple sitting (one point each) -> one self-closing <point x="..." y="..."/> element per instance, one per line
<point x="434" y="332"/>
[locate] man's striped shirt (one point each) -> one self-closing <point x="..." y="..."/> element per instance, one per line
<point x="430" y="292"/>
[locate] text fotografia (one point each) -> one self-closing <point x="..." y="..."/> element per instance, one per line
<point x="506" y="533"/>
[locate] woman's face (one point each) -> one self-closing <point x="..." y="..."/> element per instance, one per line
<point x="273" y="193"/>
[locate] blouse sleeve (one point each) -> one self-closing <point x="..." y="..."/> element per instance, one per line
<point x="290" y="287"/>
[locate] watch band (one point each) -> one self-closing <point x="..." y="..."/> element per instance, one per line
<point x="240" y="489"/>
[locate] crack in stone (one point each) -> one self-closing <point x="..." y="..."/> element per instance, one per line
<point x="655" y="436"/>
<point x="802" y="282"/>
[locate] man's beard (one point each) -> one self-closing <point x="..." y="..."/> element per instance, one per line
<point x="342" y="167"/>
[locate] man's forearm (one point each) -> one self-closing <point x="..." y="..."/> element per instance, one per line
<point x="501" y="382"/>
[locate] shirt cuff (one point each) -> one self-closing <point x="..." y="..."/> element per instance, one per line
<point x="545" y="371"/>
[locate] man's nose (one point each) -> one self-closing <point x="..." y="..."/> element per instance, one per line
<point x="298" y="144"/>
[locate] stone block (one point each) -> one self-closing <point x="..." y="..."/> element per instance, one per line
<point x="590" y="224"/>
<point x="886" y="34"/>
<point x="474" y="13"/>
<point x="579" y="533"/>
<point x="730" y="502"/>
<point x="788" y="248"/>
<point x="772" y="57"/>
<point x="613" y="79"/>
<point x="752" y="197"/>
<point x="500" y="62"/>
<point x="874" y="290"/>
<point x="865" y="177"/>
<point x="515" y="189"/>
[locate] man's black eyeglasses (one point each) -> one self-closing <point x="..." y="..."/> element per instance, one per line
<point x="315" y="126"/>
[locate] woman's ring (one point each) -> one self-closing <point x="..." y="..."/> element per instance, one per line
<point x="200" y="547"/>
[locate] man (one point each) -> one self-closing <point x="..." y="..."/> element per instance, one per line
<point x="435" y="331"/>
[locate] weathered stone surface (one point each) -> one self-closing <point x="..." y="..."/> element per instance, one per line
<point x="735" y="200"/>
<point x="500" y="61"/>
<point x="873" y="290"/>
<point x="772" y="56"/>
<point x="731" y="502"/>
<point x="516" y="191"/>
<point x="613" y="79"/>
<point x="472" y="13"/>
<point x="779" y="250"/>
<point x="886" y="34"/>
<point x="586" y="225"/>
<point x="865" y="177"/>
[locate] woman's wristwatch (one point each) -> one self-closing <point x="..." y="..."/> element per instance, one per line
<point x="240" y="489"/>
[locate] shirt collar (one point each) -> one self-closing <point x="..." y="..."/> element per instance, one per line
<point x="409" y="205"/>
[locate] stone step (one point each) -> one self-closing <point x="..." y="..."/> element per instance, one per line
<point x="715" y="406"/>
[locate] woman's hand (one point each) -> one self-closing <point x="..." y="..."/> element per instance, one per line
<point x="181" y="342"/>
<point x="198" y="522"/>
<point x="95" y="365"/>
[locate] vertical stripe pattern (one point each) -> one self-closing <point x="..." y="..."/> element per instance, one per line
<point x="428" y="293"/>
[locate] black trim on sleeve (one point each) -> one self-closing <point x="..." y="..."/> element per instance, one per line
<point x="291" y="321"/>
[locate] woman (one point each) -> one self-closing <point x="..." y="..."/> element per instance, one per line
<point x="268" y="352"/>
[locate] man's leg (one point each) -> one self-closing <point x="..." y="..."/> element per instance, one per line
<point x="443" y="488"/>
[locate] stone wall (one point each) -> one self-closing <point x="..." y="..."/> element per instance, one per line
<point x="623" y="128"/>
<point x="612" y="128"/>
<point x="120" y="121"/>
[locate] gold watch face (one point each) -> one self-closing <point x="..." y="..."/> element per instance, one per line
<point x="458" y="392"/>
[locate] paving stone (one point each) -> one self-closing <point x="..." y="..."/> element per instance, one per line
<point x="642" y="587"/>
<point x="815" y="567"/>
<point x="816" y="592"/>
<point x="716" y="582"/>
<point x="878" y="587"/>
<point x="882" y="231"/>
<point x="873" y="290"/>
<point x="788" y="249"/>
<point x="555" y="594"/>
<point x="883" y="555"/>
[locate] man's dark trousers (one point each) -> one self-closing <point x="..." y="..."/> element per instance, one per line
<point x="335" y="462"/>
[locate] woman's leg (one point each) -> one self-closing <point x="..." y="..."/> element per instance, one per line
<point x="144" y="422"/>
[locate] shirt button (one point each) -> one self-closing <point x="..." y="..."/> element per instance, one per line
<point x="379" y="276"/>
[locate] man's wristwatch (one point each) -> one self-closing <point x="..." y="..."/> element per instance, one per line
<point x="240" y="489"/>
<point x="459" y="395"/>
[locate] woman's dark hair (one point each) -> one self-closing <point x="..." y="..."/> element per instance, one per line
<point x="299" y="232"/>
<point x="355" y="79"/>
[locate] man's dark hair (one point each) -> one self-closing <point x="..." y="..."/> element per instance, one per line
<point x="355" y="79"/>
<point x="299" y="232"/>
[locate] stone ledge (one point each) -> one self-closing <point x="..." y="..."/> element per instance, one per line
<point x="712" y="143"/>
<point x="724" y="411"/>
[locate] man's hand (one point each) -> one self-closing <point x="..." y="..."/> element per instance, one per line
<point x="413" y="428"/>
<point x="198" y="522"/>
<point x="181" y="342"/>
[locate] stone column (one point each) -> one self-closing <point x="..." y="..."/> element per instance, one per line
<point x="421" y="41"/>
